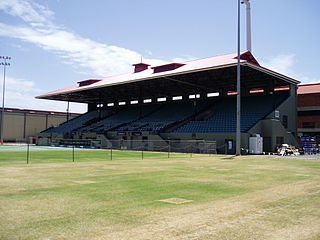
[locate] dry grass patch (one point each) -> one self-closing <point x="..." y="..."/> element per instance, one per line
<point x="84" y="182"/>
<point x="175" y="200"/>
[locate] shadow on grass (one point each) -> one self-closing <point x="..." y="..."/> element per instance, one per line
<point x="229" y="157"/>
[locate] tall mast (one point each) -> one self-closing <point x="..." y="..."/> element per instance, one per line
<point x="248" y="23"/>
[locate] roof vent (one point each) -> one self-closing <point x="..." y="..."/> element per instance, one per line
<point x="249" y="58"/>
<point x="88" y="82"/>
<point x="139" y="67"/>
<point x="167" y="67"/>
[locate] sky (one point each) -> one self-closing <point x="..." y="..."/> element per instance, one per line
<point x="56" y="43"/>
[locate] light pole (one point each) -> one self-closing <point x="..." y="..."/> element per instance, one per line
<point x="238" y="131"/>
<point x="3" y="62"/>
<point x="248" y="18"/>
<point x="248" y="24"/>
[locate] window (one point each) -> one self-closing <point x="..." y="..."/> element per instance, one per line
<point x="308" y="125"/>
<point x="149" y="100"/>
<point x="122" y="103"/>
<point x="110" y="104"/>
<point x="276" y="114"/>
<point x="193" y="96"/>
<point x="285" y="121"/>
<point x="215" y="94"/>
<point x="134" y="102"/>
<point x="177" y="98"/>
<point x="162" y="99"/>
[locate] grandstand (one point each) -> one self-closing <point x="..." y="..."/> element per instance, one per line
<point x="195" y="100"/>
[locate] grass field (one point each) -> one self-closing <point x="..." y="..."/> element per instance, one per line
<point x="206" y="197"/>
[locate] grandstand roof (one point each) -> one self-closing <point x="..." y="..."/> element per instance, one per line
<point x="208" y="74"/>
<point x="309" y="88"/>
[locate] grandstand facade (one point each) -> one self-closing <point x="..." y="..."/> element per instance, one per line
<point x="194" y="100"/>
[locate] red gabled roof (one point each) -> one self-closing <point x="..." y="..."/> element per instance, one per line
<point x="186" y="67"/>
<point x="309" y="88"/>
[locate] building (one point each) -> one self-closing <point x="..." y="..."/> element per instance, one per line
<point x="309" y="110"/>
<point x="309" y="117"/>
<point x="182" y="101"/>
<point x="23" y="125"/>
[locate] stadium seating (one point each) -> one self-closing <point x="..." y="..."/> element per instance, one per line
<point x="126" y="115"/>
<point x="74" y="124"/>
<point x="165" y="115"/>
<point x="253" y="109"/>
<point x="220" y="116"/>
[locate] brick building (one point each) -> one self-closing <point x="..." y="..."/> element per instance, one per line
<point x="309" y="110"/>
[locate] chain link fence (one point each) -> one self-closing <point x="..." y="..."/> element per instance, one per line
<point x="179" y="146"/>
<point x="116" y="150"/>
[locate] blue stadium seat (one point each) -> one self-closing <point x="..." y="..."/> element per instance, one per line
<point x="165" y="115"/>
<point x="74" y="124"/>
<point x="253" y="109"/>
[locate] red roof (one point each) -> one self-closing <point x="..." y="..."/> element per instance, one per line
<point x="309" y="88"/>
<point x="186" y="67"/>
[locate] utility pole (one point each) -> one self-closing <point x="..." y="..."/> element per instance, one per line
<point x="4" y="61"/>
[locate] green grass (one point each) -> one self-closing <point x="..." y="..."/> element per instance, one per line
<point x="80" y="155"/>
<point x="99" y="198"/>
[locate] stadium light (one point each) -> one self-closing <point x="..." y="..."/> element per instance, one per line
<point x="238" y="133"/>
<point x="238" y="130"/>
<point x="248" y="23"/>
<point x="3" y="62"/>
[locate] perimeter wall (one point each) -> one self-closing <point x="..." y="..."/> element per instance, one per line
<point x="23" y="126"/>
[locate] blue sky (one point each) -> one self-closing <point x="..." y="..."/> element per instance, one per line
<point x="55" y="43"/>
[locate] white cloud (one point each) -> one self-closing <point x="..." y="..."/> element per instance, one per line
<point x="101" y="59"/>
<point x="83" y="54"/>
<point x="286" y="64"/>
<point x="281" y="63"/>
<point x="27" y="10"/>
<point x="20" y="94"/>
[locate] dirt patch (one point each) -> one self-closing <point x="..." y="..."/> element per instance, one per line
<point x="84" y="182"/>
<point x="175" y="200"/>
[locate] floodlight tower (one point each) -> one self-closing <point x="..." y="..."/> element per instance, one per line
<point x="238" y="124"/>
<point x="248" y="20"/>
<point x="5" y="63"/>
<point x="248" y="23"/>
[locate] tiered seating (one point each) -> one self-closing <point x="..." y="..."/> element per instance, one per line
<point x="155" y="117"/>
<point x="126" y="115"/>
<point x="166" y="115"/>
<point x="74" y="124"/>
<point x="253" y="109"/>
